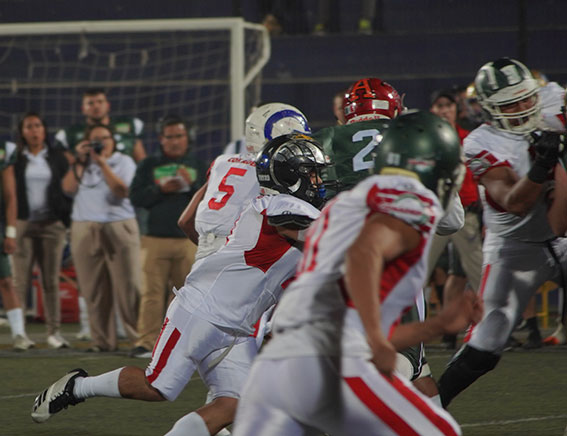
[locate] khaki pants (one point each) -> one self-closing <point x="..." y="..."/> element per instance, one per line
<point x="468" y="243"/>
<point x="41" y="241"/>
<point x="167" y="263"/>
<point x="107" y="262"/>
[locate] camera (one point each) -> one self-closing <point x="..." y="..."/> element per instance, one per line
<point x="97" y="146"/>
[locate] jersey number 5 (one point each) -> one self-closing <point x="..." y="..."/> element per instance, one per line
<point x="358" y="162"/>
<point x="224" y="187"/>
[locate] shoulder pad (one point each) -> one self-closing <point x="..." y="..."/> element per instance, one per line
<point x="293" y="222"/>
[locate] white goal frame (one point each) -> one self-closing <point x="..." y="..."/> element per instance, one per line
<point x="239" y="78"/>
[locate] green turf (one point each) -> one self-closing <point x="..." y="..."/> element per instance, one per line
<point x="525" y="395"/>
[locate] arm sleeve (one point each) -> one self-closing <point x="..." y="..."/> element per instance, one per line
<point x="292" y="222"/>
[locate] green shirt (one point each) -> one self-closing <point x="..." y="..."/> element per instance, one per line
<point x="126" y="131"/>
<point x="351" y="148"/>
<point x="164" y="209"/>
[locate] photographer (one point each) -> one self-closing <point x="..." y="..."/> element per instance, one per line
<point x="105" y="241"/>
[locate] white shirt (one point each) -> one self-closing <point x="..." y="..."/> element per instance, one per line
<point x="94" y="201"/>
<point x="316" y="316"/>
<point x="234" y="286"/>
<point x="38" y="177"/>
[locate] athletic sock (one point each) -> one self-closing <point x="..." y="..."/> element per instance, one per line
<point x="84" y="316"/>
<point x="192" y="424"/>
<point x="104" y="385"/>
<point x="16" y="320"/>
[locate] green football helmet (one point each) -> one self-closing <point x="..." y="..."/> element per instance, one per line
<point x="504" y="82"/>
<point x="425" y="147"/>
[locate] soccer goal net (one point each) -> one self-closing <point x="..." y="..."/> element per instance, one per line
<point x="206" y="70"/>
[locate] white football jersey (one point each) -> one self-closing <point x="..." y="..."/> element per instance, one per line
<point x="232" y="184"/>
<point x="232" y="287"/>
<point x="487" y="147"/>
<point x="317" y="300"/>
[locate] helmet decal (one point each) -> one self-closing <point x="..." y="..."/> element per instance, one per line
<point x="278" y="116"/>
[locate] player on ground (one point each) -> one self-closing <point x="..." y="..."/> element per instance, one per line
<point x="364" y="263"/>
<point x="232" y="180"/>
<point x="96" y="109"/>
<point x="209" y="324"/>
<point x="524" y="209"/>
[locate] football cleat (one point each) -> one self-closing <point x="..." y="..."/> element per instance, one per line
<point x="57" y="397"/>
<point x="23" y="343"/>
<point x="558" y="337"/>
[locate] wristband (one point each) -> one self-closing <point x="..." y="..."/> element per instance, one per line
<point x="10" y="231"/>
<point x="538" y="173"/>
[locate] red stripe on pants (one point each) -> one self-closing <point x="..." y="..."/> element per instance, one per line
<point x="378" y="407"/>
<point x="164" y="355"/>
<point x="422" y="406"/>
<point x="159" y="337"/>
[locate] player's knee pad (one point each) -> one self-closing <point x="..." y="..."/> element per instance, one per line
<point x="467" y="366"/>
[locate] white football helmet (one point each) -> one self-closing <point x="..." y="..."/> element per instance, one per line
<point x="270" y="121"/>
<point x="504" y="82"/>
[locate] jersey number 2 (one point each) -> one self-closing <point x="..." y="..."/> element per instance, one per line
<point x="224" y="187"/>
<point x="358" y="162"/>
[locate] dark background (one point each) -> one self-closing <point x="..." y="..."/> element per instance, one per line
<point x="417" y="45"/>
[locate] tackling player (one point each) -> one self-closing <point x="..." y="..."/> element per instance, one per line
<point x="514" y="157"/>
<point x="363" y="265"/>
<point x="209" y="324"/>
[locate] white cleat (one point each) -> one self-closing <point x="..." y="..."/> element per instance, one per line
<point x="83" y="335"/>
<point x="23" y="343"/>
<point x="57" y="397"/>
<point x="57" y="341"/>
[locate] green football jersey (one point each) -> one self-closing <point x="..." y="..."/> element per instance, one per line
<point x="351" y="148"/>
<point x="126" y="132"/>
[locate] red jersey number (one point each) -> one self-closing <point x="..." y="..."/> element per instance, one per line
<point x="224" y="187"/>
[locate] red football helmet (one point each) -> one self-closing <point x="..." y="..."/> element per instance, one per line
<point x="370" y="99"/>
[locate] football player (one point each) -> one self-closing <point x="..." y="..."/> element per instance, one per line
<point x="364" y="263"/>
<point x="514" y="157"/>
<point x="232" y="181"/>
<point x="208" y="326"/>
<point x="369" y="106"/>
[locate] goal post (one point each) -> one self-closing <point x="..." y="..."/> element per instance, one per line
<point x="207" y="70"/>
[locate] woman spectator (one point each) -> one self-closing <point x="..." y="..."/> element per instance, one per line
<point x="105" y="240"/>
<point x="43" y="214"/>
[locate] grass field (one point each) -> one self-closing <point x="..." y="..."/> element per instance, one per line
<point x="525" y="395"/>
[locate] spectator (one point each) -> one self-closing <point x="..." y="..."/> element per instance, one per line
<point x="12" y="305"/>
<point x="105" y="241"/>
<point x="96" y="109"/>
<point x="329" y="14"/>
<point x="43" y="215"/>
<point x="127" y="132"/>
<point x="338" y="107"/>
<point x="164" y="184"/>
